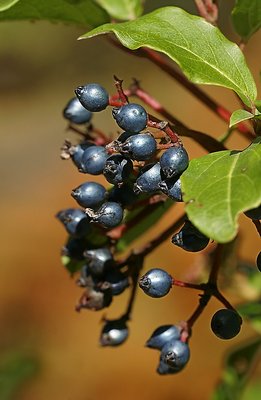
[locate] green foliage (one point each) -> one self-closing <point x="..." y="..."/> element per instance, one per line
<point x="219" y="186"/>
<point x="202" y="52"/>
<point x="122" y="10"/>
<point x="80" y="12"/>
<point x="5" y="4"/>
<point x="239" y="116"/>
<point x="246" y="17"/>
<point x="251" y="311"/>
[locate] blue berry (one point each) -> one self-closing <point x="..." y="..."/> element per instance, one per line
<point x="124" y="136"/>
<point x="149" y="180"/>
<point x="172" y="188"/>
<point x="93" y="160"/>
<point x="75" y="221"/>
<point x="74" y="248"/>
<point x="254" y="213"/>
<point x="98" y="260"/>
<point x="140" y="147"/>
<point x="190" y="238"/>
<point x="77" y="152"/>
<point x="131" y="117"/>
<point x="175" y="354"/>
<point x="89" y="194"/>
<point x="95" y="299"/>
<point x="114" y="333"/>
<point x="117" y="281"/>
<point x="93" y="97"/>
<point x="174" y="161"/>
<point x="165" y="369"/>
<point x="123" y="195"/>
<point x="76" y="113"/>
<point x="162" y="335"/>
<point x="110" y="214"/>
<point x="258" y="261"/>
<point x="156" y="282"/>
<point x="117" y="169"/>
<point x="226" y="323"/>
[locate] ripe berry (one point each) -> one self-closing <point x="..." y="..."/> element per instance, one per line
<point x="93" y="97"/>
<point x="74" y="248"/>
<point x="77" y="152"/>
<point x="93" y="160"/>
<point x="139" y="147"/>
<point x="123" y="195"/>
<point x="114" y="333"/>
<point x="175" y="354"/>
<point x="98" y="260"/>
<point x="117" y="281"/>
<point x="156" y="282"/>
<point x="149" y="180"/>
<point x="162" y="335"/>
<point x="258" y="261"/>
<point x="226" y="323"/>
<point x="75" y="221"/>
<point x="190" y="238"/>
<point x="117" y="169"/>
<point x="131" y="117"/>
<point x="254" y="213"/>
<point x="76" y="113"/>
<point x="89" y="194"/>
<point x="95" y="299"/>
<point x="165" y="369"/>
<point x="110" y="214"/>
<point x="172" y="188"/>
<point x="174" y="161"/>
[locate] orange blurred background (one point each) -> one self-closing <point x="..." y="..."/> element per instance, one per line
<point x="41" y="64"/>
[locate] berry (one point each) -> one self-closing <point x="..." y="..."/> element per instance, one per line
<point x="139" y="147"/>
<point x="165" y="369"/>
<point x="93" y="160"/>
<point x="175" y="354"/>
<point x="77" y="152"/>
<point x="149" y="180"/>
<point x="226" y="323"/>
<point x="172" y="188"/>
<point x="254" y="213"/>
<point x="190" y="238"/>
<point x="174" y="161"/>
<point x="131" y="117"/>
<point x="156" y="282"/>
<point x="114" y="333"/>
<point x="98" y="260"/>
<point x="110" y="214"/>
<point x="117" y="169"/>
<point x="162" y="335"/>
<point x="75" y="221"/>
<point x="123" y="195"/>
<point x="76" y="113"/>
<point x="93" y="97"/>
<point x="74" y="248"/>
<point x="95" y="299"/>
<point x="89" y="194"/>
<point x="117" y="281"/>
<point x="258" y="261"/>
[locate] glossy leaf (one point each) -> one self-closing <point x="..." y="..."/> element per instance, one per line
<point x="122" y="10"/>
<point x="239" y="116"/>
<point x="200" y="49"/>
<point x="5" y="4"/>
<point x="79" y="12"/>
<point x="246" y="17"/>
<point x="219" y="186"/>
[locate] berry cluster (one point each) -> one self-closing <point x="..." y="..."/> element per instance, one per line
<point x="143" y="166"/>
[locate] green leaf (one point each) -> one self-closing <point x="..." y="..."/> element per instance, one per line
<point x="123" y="10"/>
<point x="200" y="49"/>
<point x="79" y="12"/>
<point x="239" y="116"/>
<point x="251" y="311"/>
<point x="246" y="17"/>
<point x="5" y="4"/>
<point x="140" y="227"/>
<point x="219" y="186"/>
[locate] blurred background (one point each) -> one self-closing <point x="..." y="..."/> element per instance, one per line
<point x="47" y="350"/>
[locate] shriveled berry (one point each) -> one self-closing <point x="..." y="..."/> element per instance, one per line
<point x="89" y="194"/>
<point x="76" y="113"/>
<point x="93" y="96"/>
<point x="226" y="323"/>
<point x="172" y="188"/>
<point x="139" y="147"/>
<point x="174" y="161"/>
<point x="156" y="282"/>
<point x="75" y="221"/>
<point x="162" y="335"/>
<point x="131" y="117"/>
<point x="114" y="333"/>
<point x="175" y="354"/>
<point x="190" y="238"/>
<point x="149" y="180"/>
<point x="93" y="160"/>
<point x="117" y="169"/>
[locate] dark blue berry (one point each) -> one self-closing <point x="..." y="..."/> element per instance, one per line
<point x="89" y="194"/>
<point x="124" y="136"/>
<point x="131" y="117"/>
<point x="74" y="248"/>
<point x="117" y="169"/>
<point x="76" y="113"/>
<point x="162" y="335"/>
<point x="254" y="213"/>
<point x="140" y="147"/>
<point x="114" y="333"/>
<point x="117" y="281"/>
<point x="226" y="323"/>
<point x="258" y="261"/>
<point x="190" y="238"/>
<point x="175" y="354"/>
<point x="75" y="221"/>
<point x="149" y="180"/>
<point x="156" y="282"/>
<point x="165" y="369"/>
<point x="95" y="299"/>
<point x="172" y="188"/>
<point x="77" y="152"/>
<point x="98" y="260"/>
<point x="110" y="214"/>
<point x="93" y="160"/>
<point x="174" y="161"/>
<point x="123" y="195"/>
<point x="92" y="96"/>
